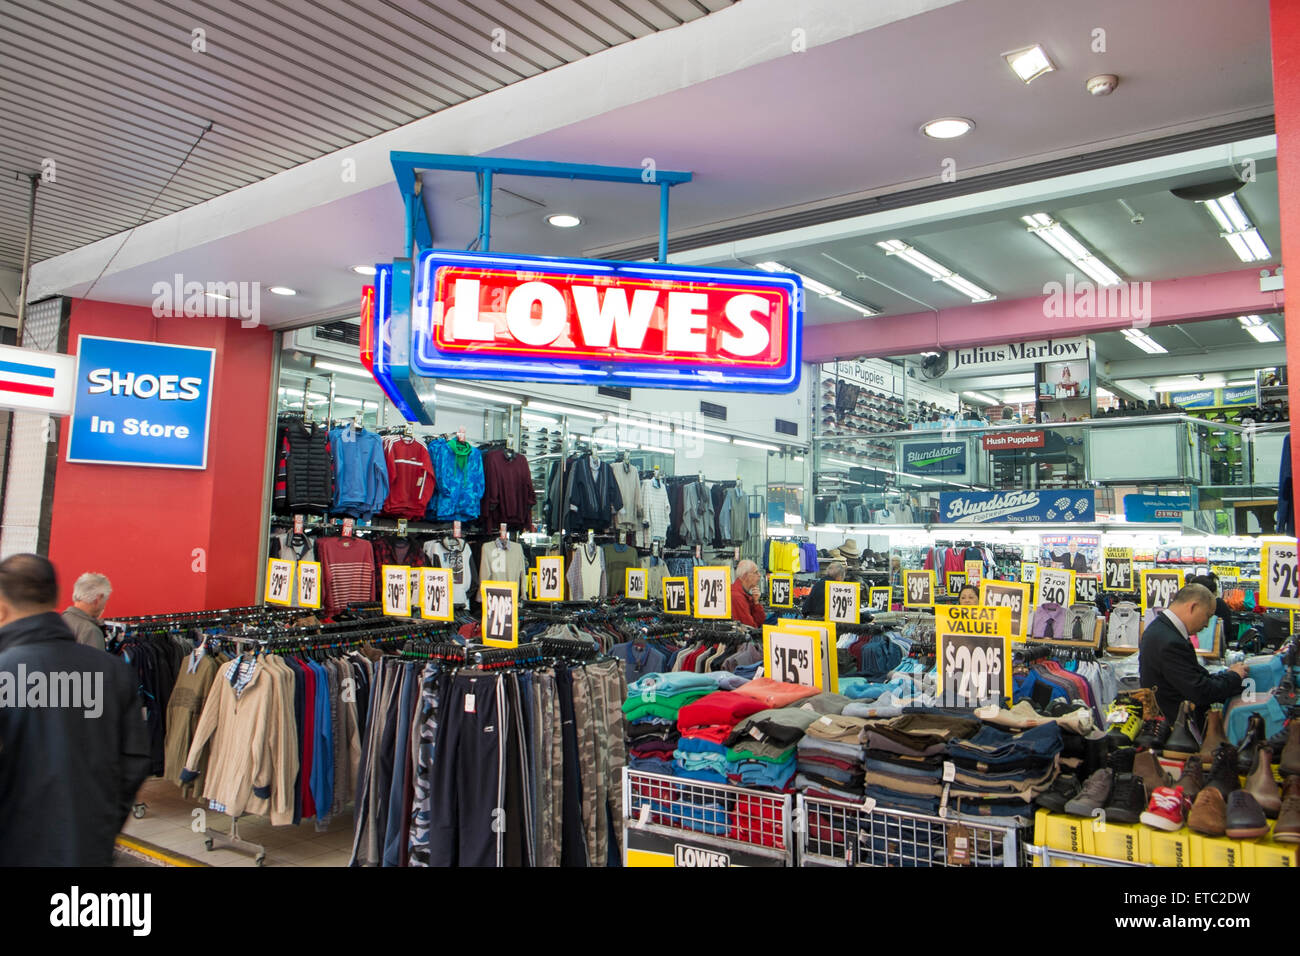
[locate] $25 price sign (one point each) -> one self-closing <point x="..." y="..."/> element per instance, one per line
<point x="550" y="579"/>
<point x="1279" y="574"/>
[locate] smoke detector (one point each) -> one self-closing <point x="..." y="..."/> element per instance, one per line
<point x="1103" y="85"/>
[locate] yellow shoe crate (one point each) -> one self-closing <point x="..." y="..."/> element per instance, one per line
<point x="1165" y="848"/>
<point x="1217" y="851"/>
<point x="1116" y="841"/>
<point x="1060" y="832"/>
<point x="1268" y="852"/>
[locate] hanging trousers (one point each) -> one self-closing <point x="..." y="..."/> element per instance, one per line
<point x="467" y="785"/>
<point x="573" y="850"/>
<point x="550" y="768"/>
<point x="432" y="683"/>
<point x="374" y="774"/>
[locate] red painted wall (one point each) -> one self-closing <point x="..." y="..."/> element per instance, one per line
<point x="172" y="539"/>
<point x="1285" y="17"/>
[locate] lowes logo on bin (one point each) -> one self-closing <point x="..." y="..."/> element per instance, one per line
<point x="928" y="458"/>
<point x="1027" y="507"/>
<point x="684" y="855"/>
<point x="141" y="403"/>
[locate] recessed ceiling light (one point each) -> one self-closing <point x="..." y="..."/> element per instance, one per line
<point x="364" y="270"/>
<point x="282" y="290"/>
<point x="948" y="127"/>
<point x="564" y="221"/>
<point x="1029" y="64"/>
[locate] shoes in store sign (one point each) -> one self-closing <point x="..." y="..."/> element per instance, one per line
<point x="495" y="317"/>
<point x="141" y="403"/>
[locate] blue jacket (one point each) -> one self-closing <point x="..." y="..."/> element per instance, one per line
<point x="360" y="473"/>
<point x="460" y="492"/>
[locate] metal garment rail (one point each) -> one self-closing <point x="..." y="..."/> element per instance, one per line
<point x="835" y="833"/>
<point x="1046" y="856"/>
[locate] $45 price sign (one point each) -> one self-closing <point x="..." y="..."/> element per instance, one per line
<point x="1279" y="574"/>
<point x="713" y="593"/>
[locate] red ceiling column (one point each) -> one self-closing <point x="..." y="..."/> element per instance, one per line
<point x="1285" y="17"/>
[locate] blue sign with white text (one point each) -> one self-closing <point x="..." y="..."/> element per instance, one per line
<point x="1156" y="508"/>
<point x="1064" y="505"/>
<point x="141" y="403"/>
<point x="934" y="458"/>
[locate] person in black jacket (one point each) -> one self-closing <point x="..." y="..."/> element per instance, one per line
<point x="1221" y="609"/>
<point x="73" y="744"/>
<point x="814" y="605"/>
<point x="1167" y="662"/>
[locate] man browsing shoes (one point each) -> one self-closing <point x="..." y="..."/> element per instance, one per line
<point x="1168" y="663"/>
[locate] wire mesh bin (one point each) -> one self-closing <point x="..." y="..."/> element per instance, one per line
<point x="834" y="833"/>
<point x="674" y="821"/>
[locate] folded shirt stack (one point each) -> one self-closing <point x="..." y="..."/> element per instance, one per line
<point x="704" y="725"/>
<point x="651" y="710"/>
<point x="650" y="744"/>
<point x="829" y="757"/>
<point x="774" y="693"/>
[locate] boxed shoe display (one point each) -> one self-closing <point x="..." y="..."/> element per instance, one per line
<point x="1060" y="832"/>
<point x="1268" y="852"/>
<point x="1217" y="851"/>
<point x="1117" y="841"/>
<point x="1164" y="848"/>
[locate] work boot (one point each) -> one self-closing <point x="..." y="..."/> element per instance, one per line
<point x="1287" y="828"/>
<point x="1167" y="810"/>
<point x="1063" y="789"/>
<point x="1154" y="733"/>
<point x="1249" y="744"/>
<point x="1214" y="736"/>
<point x="1093" y="796"/>
<point x="1193" y="779"/>
<point x="1261" y="785"/>
<point x="1121" y="759"/>
<point x="1127" y="800"/>
<point x="1290" y="762"/>
<point x="1146" y="696"/>
<point x="1146" y="766"/>
<point x="1223" y="773"/>
<point x="1209" y="814"/>
<point x="1125" y="721"/>
<point x="1245" y="818"/>
<point x="1181" y="744"/>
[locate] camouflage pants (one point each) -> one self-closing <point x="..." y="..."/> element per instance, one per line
<point x="549" y="743"/>
<point x="598" y="692"/>
<point x="426" y="731"/>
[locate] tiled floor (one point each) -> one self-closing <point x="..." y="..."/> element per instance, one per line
<point x="170" y="823"/>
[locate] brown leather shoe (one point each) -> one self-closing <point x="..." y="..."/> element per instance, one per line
<point x="1261" y="785"/>
<point x="1193" y="779"/>
<point x="1209" y="813"/>
<point x="1146" y="766"/>
<point x="1287" y="828"/>
<point x="1181" y="744"/>
<point x="1290" y="762"/>
<point x="1214" y="736"/>
<point x="1146" y="696"/>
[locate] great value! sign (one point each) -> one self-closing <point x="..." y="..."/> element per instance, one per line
<point x="141" y="403"/>
<point x="1027" y="507"/>
<point x="526" y="318"/>
<point x="933" y="458"/>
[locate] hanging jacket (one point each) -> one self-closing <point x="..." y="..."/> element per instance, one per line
<point x="697" y="513"/>
<point x="309" y="471"/>
<point x="508" y="495"/>
<point x="361" y="472"/>
<point x="1285" y="494"/>
<point x="628" y="479"/>
<point x="654" y="511"/>
<point x="411" y="481"/>
<point x="459" y="494"/>
<point x="733" y="517"/>
<point x="593" y="497"/>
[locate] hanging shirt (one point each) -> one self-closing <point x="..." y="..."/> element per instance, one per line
<point x="411" y="480"/>
<point x="453" y="554"/>
<point x="653" y="509"/>
<point x="586" y="575"/>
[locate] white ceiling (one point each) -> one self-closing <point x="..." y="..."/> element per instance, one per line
<point x="796" y="131"/>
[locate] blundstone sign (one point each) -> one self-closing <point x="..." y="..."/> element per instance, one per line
<point x="1018" y="354"/>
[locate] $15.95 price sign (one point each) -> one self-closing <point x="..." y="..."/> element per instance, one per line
<point x="1279" y="574"/>
<point x="397" y="590"/>
<point x="279" y="582"/>
<point x="780" y="589"/>
<point x="500" y="623"/>
<point x="842" y="602"/>
<point x="550" y="579"/>
<point x="713" y="593"/>
<point x="791" y="658"/>
<point x="435" y="595"/>
<point x="1159" y="588"/>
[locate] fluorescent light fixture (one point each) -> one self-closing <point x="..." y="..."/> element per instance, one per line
<point x="564" y="221"/>
<point x="1237" y="383"/>
<point x="948" y="127"/>
<point x="564" y="410"/>
<point x="612" y="443"/>
<point x="1143" y="341"/>
<point x="1188" y="383"/>
<point x="1029" y="63"/>
<point x="1070" y="248"/>
<point x="705" y="435"/>
<point x="1237" y="229"/>
<point x="344" y="369"/>
<point x="1263" y="333"/>
<point x="281" y="290"/>
<point x="540" y="419"/>
<point x="936" y="271"/>
<point x="639" y="423"/>
<point x="987" y="400"/>
<point x="754" y="444"/>
<point x="662" y="451"/>
<point x="474" y="393"/>
<point x="798" y="457"/>
<point x="364" y="270"/>
<point x="347" y="401"/>
<point x="841" y="461"/>
<point x="820" y="288"/>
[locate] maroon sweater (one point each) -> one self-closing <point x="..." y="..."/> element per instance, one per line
<point x="508" y="495"/>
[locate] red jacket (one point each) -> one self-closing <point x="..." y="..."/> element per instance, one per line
<point x="744" y="608"/>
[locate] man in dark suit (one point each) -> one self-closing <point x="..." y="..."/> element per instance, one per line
<point x="1074" y="561"/>
<point x="1168" y="663"/>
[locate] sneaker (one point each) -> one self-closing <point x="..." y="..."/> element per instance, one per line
<point x="1223" y="773"/>
<point x="1209" y="814"/>
<point x="1287" y="828"/>
<point x="1192" y="780"/>
<point x="1181" y="744"/>
<point x="1093" y="795"/>
<point x="1261" y="785"/>
<point x="1146" y="766"/>
<point x="1063" y="789"/>
<point x="1245" y="818"/>
<point x="1167" y="809"/>
<point x="1121" y="760"/>
<point x="1127" y="800"/>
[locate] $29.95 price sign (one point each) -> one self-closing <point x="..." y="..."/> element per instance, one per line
<point x="1279" y="574"/>
<point x="791" y="658"/>
<point x="397" y="590"/>
<point x="974" y="669"/>
<point x="1159" y="588"/>
<point x="780" y="589"/>
<point x="1055" y="586"/>
<point x="713" y="593"/>
<point x="309" y="578"/>
<point x="279" y="582"/>
<point x="500" y="623"/>
<point x="550" y="579"/>
<point x="842" y="602"/>
<point x="435" y="595"/>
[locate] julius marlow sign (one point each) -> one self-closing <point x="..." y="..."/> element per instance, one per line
<point x="525" y="318"/>
<point x="1021" y="354"/>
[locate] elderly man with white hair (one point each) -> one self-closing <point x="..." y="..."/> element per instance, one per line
<point x="85" y="615"/>
<point x="745" y="607"/>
